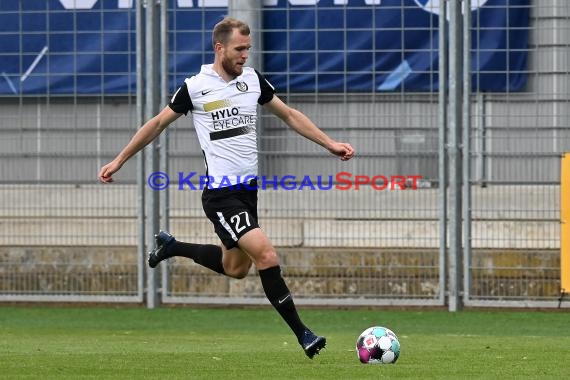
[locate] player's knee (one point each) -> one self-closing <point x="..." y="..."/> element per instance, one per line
<point x="237" y="271"/>
<point x="267" y="259"/>
<point x="240" y="273"/>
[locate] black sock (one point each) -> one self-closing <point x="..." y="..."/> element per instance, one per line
<point x="278" y="294"/>
<point x="207" y="255"/>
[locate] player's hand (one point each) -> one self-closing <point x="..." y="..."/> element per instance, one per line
<point x="106" y="172"/>
<point x="344" y="150"/>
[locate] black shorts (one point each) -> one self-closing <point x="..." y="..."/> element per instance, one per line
<point x="232" y="210"/>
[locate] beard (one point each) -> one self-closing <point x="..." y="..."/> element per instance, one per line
<point x="231" y="69"/>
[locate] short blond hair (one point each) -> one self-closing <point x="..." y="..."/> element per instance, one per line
<point x="224" y="29"/>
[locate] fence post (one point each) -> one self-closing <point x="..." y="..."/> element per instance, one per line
<point x="141" y="156"/>
<point x="251" y="12"/>
<point x="564" y="226"/>
<point x="466" y="211"/>
<point x="151" y="162"/>
<point x="163" y="142"/>
<point x="455" y="158"/>
<point x="442" y="150"/>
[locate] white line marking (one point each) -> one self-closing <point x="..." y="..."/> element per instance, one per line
<point x="396" y="77"/>
<point x="34" y="64"/>
<point x="9" y="82"/>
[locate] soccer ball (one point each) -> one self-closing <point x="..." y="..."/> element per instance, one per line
<point x="378" y="345"/>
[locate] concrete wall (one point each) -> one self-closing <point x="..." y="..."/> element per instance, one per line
<point x="504" y="217"/>
<point x="310" y="272"/>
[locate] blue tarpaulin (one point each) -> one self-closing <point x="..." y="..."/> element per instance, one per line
<point x="329" y="46"/>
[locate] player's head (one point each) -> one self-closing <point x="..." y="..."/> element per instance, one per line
<point x="231" y="41"/>
<point x="223" y="30"/>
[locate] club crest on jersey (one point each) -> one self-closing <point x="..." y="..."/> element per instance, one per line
<point x="242" y="86"/>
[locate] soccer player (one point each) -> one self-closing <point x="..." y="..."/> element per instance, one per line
<point x="223" y="100"/>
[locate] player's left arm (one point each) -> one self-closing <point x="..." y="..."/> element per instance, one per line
<point x="301" y="124"/>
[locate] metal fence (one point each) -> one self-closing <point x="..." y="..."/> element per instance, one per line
<point x="64" y="237"/>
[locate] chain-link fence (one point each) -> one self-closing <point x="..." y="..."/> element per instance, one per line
<point x="367" y="73"/>
<point x="63" y="236"/>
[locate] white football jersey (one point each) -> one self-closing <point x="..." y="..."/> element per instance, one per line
<point x="225" y="115"/>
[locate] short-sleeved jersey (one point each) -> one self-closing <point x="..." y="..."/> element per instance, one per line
<point x="225" y="115"/>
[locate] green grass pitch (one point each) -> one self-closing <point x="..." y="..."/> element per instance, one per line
<point x="230" y="343"/>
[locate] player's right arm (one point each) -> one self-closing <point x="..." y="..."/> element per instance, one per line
<point x="144" y="136"/>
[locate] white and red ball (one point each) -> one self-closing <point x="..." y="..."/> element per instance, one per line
<point x="378" y="345"/>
